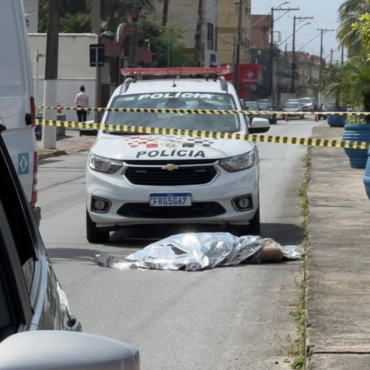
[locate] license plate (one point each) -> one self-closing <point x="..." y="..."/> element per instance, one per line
<point x="170" y="200"/>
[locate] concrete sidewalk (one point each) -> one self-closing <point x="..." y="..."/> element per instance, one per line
<point x="71" y="143"/>
<point x="338" y="261"/>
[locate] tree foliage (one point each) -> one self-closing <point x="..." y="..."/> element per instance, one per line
<point x="113" y="13"/>
<point x="351" y="82"/>
<point x="349" y="11"/>
<point x="166" y="43"/>
<point x="361" y="29"/>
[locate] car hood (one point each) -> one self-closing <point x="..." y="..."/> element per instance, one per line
<point x="166" y="147"/>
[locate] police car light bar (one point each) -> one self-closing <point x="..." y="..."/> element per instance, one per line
<point x="186" y="71"/>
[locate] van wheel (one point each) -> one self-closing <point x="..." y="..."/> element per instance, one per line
<point x="254" y="227"/>
<point x="93" y="234"/>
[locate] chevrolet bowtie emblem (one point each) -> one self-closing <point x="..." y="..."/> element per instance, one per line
<point x="170" y="167"/>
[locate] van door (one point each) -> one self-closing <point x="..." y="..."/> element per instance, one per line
<point x="16" y="95"/>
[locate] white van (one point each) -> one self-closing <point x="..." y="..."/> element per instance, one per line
<point x="17" y="105"/>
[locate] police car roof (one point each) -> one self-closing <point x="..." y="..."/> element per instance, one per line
<point x="166" y="85"/>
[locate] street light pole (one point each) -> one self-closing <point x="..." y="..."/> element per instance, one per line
<point x="198" y="35"/>
<point x="49" y="135"/>
<point x="238" y="43"/>
<point x="292" y="88"/>
<point x="271" y="56"/>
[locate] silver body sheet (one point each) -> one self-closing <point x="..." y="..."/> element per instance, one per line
<point x="195" y="252"/>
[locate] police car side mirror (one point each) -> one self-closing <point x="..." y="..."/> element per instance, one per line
<point x="259" y="126"/>
<point x="63" y="350"/>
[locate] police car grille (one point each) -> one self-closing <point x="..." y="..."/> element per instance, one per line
<point x="155" y="176"/>
<point x="144" y="162"/>
<point x="196" y="210"/>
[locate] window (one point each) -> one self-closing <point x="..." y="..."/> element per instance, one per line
<point x="9" y="316"/>
<point x="176" y="100"/>
<point x="17" y="217"/>
<point x="210" y="36"/>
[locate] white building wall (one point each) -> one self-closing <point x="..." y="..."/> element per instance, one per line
<point x="73" y="68"/>
<point x="31" y="7"/>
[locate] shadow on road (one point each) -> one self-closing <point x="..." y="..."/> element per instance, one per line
<point x="284" y="234"/>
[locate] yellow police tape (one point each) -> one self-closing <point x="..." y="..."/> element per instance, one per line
<point x="207" y="134"/>
<point x="208" y="111"/>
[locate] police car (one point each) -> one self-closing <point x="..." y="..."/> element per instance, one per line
<point x="171" y="179"/>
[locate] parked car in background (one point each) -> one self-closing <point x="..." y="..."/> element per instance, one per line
<point x="242" y="103"/>
<point x="264" y="106"/>
<point x="252" y="106"/>
<point x="308" y="104"/>
<point x="293" y="107"/>
<point x="329" y="106"/>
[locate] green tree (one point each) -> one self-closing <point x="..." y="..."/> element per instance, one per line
<point x="361" y="29"/>
<point x="113" y="13"/>
<point x="349" y="11"/>
<point x="166" y="43"/>
<point x="76" y="23"/>
<point x="351" y="84"/>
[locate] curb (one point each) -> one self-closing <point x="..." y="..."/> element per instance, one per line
<point x="55" y="153"/>
<point x="58" y="153"/>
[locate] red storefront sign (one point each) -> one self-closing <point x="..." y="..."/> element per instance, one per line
<point x="250" y="74"/>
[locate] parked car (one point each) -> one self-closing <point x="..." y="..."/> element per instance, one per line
<point x="37" y="330"/>
<point x="140" y="179"/>
<point x="329" y="106"/>
<point x="242" y="103"/>
<point x="293" y="107"/>
<point x="308" y="104"/>
<point x="272" y="117"/>
<point x="252" y="106"/>
<point x="31" y="297"/>
<point x="17" y="103"/>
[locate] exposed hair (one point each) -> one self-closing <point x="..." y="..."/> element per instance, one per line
<point x="82" y="88"/>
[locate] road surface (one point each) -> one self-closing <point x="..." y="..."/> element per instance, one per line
<point x="226" y="318"/>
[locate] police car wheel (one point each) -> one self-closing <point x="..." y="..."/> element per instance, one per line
<point x="93" y="234"/>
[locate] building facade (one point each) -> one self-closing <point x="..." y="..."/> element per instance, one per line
<point x="185" y="13"/>
<point x="227" y="31"/>
<point x="31" y="8"/>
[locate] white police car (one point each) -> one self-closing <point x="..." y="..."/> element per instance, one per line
<point x="157" y="179"/>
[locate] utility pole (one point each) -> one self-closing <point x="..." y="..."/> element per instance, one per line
<point x="272" y="45"/>
<point x="234" y="52"/>
<point x="198" y="35"/>
<point x="292" y="89"/>
<point x="132" y="59"/>
<point x="96" y="17"/>
<point x="331" y="56"/>
<point x="49" y="135"/>
<point x="238" y="43"/>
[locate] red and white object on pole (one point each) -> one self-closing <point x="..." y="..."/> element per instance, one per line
<point x="182" y="71"/>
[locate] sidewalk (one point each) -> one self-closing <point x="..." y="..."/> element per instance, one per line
<point x="71" y="143"/>
<point x="338" y="261"/>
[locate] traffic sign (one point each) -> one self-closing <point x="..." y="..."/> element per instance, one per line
<point x="97" y="55"/>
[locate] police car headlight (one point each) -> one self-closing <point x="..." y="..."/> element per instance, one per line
<point x="104" y="165"/>
<point x="239" y="162"/>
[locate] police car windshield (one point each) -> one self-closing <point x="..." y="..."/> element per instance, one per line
<point x="176" y="100"/>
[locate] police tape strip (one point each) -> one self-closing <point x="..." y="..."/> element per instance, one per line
<point x="207" y="134"/>
<point x="207" y="111"/>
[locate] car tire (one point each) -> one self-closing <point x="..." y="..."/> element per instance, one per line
<point x="93" y="234"/>
<point x="254" y="227"/>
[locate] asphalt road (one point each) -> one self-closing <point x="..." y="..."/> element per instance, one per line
<point x="226" y="318"/>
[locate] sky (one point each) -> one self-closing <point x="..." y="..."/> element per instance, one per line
<point x="325" y="13"/>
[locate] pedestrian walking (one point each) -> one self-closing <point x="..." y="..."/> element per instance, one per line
<point x="82" y="101"/>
